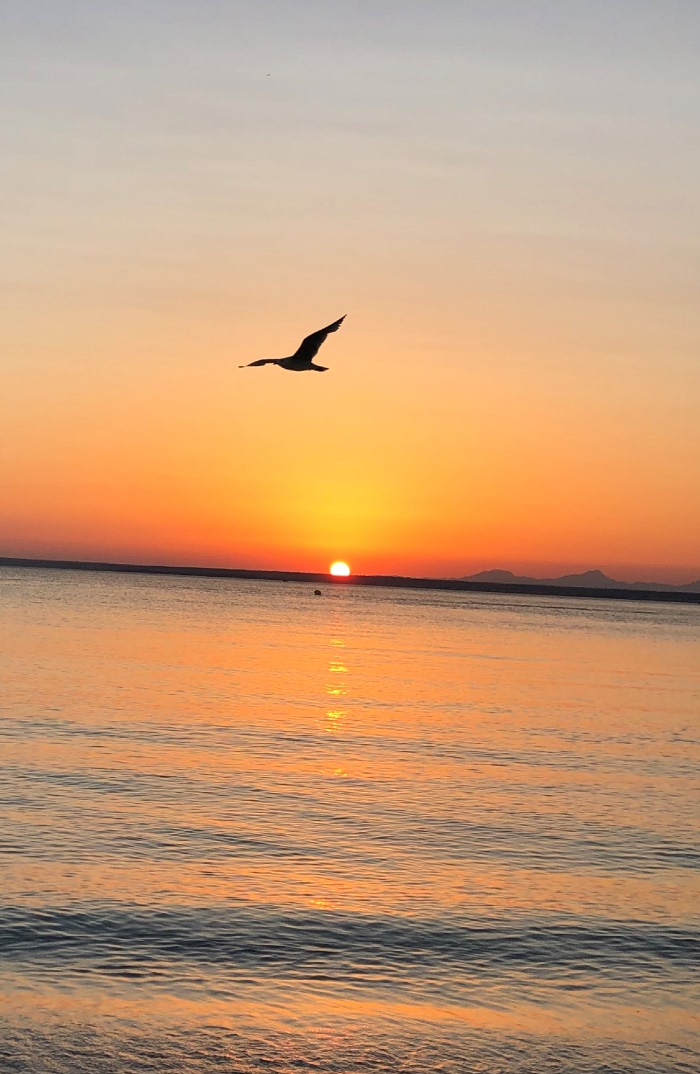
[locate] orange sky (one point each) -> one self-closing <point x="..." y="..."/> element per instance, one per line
<point x="506" y="210"/>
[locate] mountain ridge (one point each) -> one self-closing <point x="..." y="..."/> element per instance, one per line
<point x="592" y="579"/>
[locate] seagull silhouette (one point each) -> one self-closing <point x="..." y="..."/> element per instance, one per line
<point x="303" y="358"/>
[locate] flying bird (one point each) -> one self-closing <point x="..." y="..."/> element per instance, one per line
<point x="302" y="359"/>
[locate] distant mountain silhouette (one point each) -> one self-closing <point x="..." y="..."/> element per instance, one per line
<point x="587" y="579"/>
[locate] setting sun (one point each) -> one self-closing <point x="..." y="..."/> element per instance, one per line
<point x="340" y="569"/>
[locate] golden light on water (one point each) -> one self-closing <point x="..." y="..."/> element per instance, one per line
<point x="340" y="569"/>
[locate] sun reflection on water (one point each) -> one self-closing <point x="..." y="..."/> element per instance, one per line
<point x="335" y="716"/>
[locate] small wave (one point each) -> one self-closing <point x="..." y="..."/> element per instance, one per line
<point x="293" y="943"/>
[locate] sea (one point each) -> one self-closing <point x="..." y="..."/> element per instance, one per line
<point x="245" y="828"/>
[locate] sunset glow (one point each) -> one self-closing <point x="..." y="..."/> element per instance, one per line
<point x="500" y="208"/>
<point x="340" y="569"/>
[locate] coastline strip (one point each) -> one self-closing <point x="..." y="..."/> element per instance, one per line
<point x="385" y="580"/>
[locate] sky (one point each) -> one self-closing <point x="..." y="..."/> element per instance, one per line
<point x="504" y="199"/>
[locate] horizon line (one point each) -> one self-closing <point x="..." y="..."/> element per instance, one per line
<point x="533" y="588"/>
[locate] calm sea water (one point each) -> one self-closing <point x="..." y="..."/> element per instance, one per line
<point x="244" y="828"/>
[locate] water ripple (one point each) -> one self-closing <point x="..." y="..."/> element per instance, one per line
<point x="295" y="943"/>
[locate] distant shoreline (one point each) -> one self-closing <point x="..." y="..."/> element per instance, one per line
<point x="381" y="580"/>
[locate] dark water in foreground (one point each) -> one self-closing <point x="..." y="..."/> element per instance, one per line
<point x="243" y="828"/>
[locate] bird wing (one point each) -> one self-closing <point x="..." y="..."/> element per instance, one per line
<point x="260" y="361"/>
<point x="309" y="347"/>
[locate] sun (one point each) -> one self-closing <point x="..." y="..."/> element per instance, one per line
<point x="340" y="569"/>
